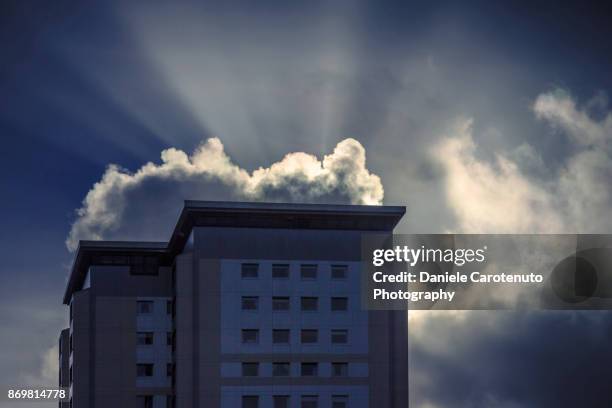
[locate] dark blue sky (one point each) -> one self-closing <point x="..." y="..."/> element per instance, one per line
<point x="85" y="86"/>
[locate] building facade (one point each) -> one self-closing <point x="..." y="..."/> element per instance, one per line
<point x="250" y="305"/>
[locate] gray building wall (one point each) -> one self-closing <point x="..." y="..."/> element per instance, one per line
<point x="208" y="354"/>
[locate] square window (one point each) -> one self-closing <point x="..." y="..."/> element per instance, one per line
<point x="339" y="401"/>
<point x="144" y="401"/>
<point x="250" y="302"/>
<point x="144" y="306"/>
<point x="280" y="303"/>
<point x="250" y="369"/>
<point x="249" y="270"/>
<point x="339" y="336"/>
<point x="250" y="401"/>
<point x="339" y="304"/>
<point x="250" y="336"/>
<point x="338" y="271"/>
<point x="144" y="338"/>
<point x="144" y="370"/>
<point x="309" y="336"/>
<point x="281" y="401"/>
<point x="309" y="401"/>
<point x="309" y="304"/>
<point x="339" y="369"/>
<point x="310" y="369"/>
<point x="280" y="271"/>
<point x="280" y="336"/>
<point x="280" y="369"/>
<point x="308" y="271"/>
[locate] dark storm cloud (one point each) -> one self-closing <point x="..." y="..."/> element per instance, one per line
<point x="512" y="359"/>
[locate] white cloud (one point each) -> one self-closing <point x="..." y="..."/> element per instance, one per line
<point x="500" y="197"/>
<point x="144" y="204"/>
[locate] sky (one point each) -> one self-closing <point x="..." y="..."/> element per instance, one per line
<point x="478" y="117"/>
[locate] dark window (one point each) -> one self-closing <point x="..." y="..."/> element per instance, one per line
<point x="309" y="336"/>
<point x="169" y="338"/>
<point x="170" y="401"/>
<point x="250" y="302"/>
<point x="339" y="401"/>
<point x="309" y="304"/>
<point x="308" y="271"/>
<point x="169" y="370"/>
<point x="280" y="369"/>
<point x="250" y="336"/>
<point x="144" y="370"/>
<point x="339" y="336"/>
<point x="144" y="306"/>
<point x="280" y="303"/>
<point x="250" y="401"/>
<point x="144" y="338"/>
<point x="339" y="369"/>
<point x="280" y="336"/>
<point x="338" y="271"/>
<point x="339" y="304"/>
<point x="169" y="307"/>
<point x="249" y="270"/>
<point x="309" y="401"/>
<point x="310" y="369"/>
<point x="144" y="401"/>
<point x="250" y="369"/>
<point x="281" y="401"/>
<point x="280" y="271"/>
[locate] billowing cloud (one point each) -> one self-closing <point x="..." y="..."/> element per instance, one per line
<point x="520" y="359"/>
<point x="500" y="196"/>
<point x="144" y="204"/>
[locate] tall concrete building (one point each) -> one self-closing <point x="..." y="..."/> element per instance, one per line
<point x="252" y="305"/>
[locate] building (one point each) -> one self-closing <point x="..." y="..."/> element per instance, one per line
<point x="250" y="305"/>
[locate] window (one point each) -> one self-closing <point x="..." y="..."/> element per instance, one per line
<point x="169" y="307"/>
<point x="309" y="336"/>
<point x="144" y="370"/>
<point x="169" y="370"/>
<point x="281" y="401"/>
<point x="250" y="302"/>
<point x="310" y="369"/>
<point x="144" y="306"/>
<point x="250" y="336"/>
<point x="280" y="336"/>
<point x="250" y="369"/>
<point x="144" y="401"/>
<point x="339" y="336"/>
<point x="280" y="303"/>
<point x="309" y="401"/>
<point x="309" y="304"/>
<point x="280" y="369"/>
<point x="339" y="401"/>
<point x="250" y="401"/>
<point x="169" y="338"/>
<point x="144" y="338"/>
<point x="170" y="401"/>
<point x="339" y="369"/>
<point x="280" y="271"/>
<point x="338" y="272"/>
<point x="339" y="304"/>
<point x="249" y="270"/>
<point x="308" y="271"/>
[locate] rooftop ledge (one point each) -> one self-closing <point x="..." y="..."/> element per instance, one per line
<point x="240" y="215"/>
